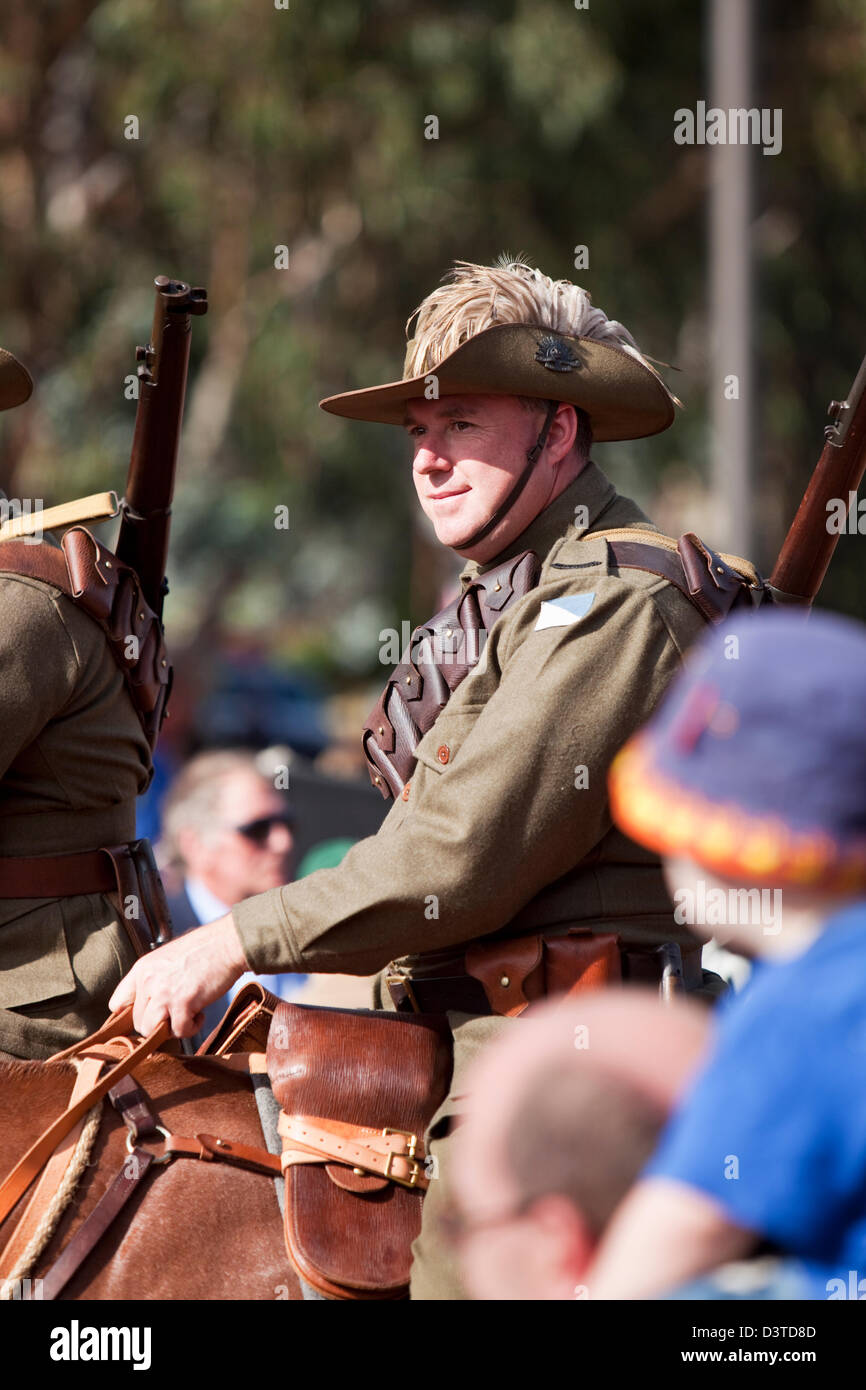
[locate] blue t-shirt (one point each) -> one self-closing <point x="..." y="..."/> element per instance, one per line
<point x="774" y="1126"/>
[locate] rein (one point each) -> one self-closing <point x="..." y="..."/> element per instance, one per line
<point x="55" y="1149"/>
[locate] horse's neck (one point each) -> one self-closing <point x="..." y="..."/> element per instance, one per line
<point x="229" y="1217"/>
<point x="32" y="1094"/>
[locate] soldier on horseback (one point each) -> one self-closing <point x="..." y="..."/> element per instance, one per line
<point x="74" y="755"/>
<point x="498" y="876"/>
<point x="84" y="680"/>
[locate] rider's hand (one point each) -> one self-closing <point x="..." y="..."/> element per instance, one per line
<point x="181" y="978"/>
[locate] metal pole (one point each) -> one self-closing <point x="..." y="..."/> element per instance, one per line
<point x="731" y="379"/>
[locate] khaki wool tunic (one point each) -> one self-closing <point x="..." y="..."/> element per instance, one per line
<point x="73" y="758"/>
<point x="508" y="832"/>
<point x="505" y="831"/>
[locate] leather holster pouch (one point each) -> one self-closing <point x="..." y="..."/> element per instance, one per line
<point x="516" y="972"/>
<point x="142" y="903"/>
<point x="357" y="1089"/>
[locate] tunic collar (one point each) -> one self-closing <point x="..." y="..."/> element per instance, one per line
<point x="590" y="489"/>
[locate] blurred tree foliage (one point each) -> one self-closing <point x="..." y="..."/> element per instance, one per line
<point x="304" y="127"/>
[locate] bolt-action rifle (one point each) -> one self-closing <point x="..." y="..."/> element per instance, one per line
<point x="809" y="544"/>
<point x="146" y="507"/>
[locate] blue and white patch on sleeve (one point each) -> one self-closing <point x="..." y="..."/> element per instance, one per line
<point x="564" y="611"/>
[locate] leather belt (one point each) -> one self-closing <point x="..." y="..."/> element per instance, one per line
<point x="437" y="996"/>
<point x="127" y="871"/>
<point x="57" y="875"/>
<point x="462" y="993"/>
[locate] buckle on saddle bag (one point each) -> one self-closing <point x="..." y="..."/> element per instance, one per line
<point x="415" y="1169"/>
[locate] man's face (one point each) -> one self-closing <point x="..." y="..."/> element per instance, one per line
<point x="469" y="451"/>
<point x="509" y="1249"/>
<point x="241" y="854"/>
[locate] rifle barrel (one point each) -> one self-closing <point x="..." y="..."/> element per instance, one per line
<point x="164" y="363"/>
<point x="809" y="544"/>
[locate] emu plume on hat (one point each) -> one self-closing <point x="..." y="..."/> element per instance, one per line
<point x="509" y="330"/>
<point x="15" y="381"/>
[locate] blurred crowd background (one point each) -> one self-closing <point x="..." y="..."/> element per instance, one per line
<point x="304" y="128"/>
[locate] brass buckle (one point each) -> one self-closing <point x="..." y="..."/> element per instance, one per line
<point x="407" y="1134"/>
<point x="415" y="1168"/>
<point x="395" y="978"/>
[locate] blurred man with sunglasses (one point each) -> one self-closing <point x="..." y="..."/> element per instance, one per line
<point x="228" y="833"/>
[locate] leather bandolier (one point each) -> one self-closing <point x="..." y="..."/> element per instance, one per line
<point x="109" y="592"/>
<point x="504" y="974"/>
<point x="442" y="652"/>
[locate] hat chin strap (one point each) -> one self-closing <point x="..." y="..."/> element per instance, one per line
<point x="521" y="482"/>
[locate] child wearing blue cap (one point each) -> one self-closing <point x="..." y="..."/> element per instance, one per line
<point x="751" y="780"/>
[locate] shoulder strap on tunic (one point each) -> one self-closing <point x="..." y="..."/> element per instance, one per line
<point x="714" y="582"/>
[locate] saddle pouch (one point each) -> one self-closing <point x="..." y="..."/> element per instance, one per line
<point x="357" y="1090"/>
<point x="244" y="1025"/>
<point x="516" y="972"/>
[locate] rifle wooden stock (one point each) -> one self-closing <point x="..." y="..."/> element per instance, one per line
<point x="809" y="544"/>
<point x="162" y="373"/>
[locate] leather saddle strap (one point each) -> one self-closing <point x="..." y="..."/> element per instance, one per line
<point x="133" y="1171"/>
<point x="388" y="1153"/>
<point x="28" y="1168"/>
<point x="52" y="1175"/>
<point x="131" y="1103"/>
<point x="136" y="1165"/>
<point x="211" y="1149"/>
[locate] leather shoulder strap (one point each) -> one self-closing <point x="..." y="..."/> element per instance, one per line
<point x="713" y="582"/>
<point x="37" y="561"/>
<point x="109" y="592"/>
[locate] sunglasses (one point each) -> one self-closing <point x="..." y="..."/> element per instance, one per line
<point x="258" y="831"/>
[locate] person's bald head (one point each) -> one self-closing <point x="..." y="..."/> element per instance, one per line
<point x="563" y="1114"/>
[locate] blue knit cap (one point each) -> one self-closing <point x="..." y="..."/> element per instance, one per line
<point x="755" y="763"/>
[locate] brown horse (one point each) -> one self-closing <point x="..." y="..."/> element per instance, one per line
<point x="191" y="1230"/>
